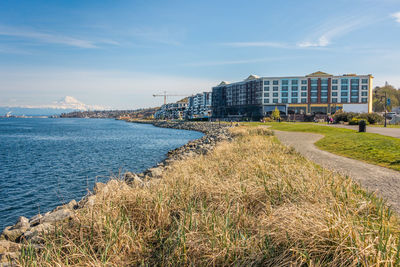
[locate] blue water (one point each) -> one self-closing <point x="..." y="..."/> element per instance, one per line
<point x="48" y="162"/>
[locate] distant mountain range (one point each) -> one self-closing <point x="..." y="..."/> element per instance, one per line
<point x="64" y="105"/>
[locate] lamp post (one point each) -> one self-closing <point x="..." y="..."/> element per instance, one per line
<point x="382" y="97"/>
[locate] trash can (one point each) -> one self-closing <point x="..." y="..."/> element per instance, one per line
<point x="362" y="126"/>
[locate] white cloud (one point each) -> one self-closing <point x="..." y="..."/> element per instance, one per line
<point x="396" y="16"/>
<point x="236" y="62"/>
<point x="325" y="34"/>
<point x="257" y="44"/>
<point x="49" y="37"/>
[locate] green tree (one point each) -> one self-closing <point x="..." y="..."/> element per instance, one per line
<point x="391" y="92"/>
<point x="276" y="115"/>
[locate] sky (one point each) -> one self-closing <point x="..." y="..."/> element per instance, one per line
<point x="117" y="54"/>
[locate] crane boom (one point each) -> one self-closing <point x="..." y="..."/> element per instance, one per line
<point x="165" y="95"/>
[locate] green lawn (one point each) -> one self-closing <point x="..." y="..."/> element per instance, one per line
<point x="381" y="125"/>
<point x="372" y="148"/>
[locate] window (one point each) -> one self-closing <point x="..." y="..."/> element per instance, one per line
<point x="343" y="100"/>
<point x="334" y="100"/>
<point x="364" y="81"/>
<point x="266" y="82"/>
<point x="314" y="88"/>
<point x="304" y="88"/>
<point x="275" y="88"/>
<point x="285" y="94"/>
<point x="295" y="82"/>
<point x="303" y="93"/>
<point x="295" y="88"/>
<point x="364" y="100"/>
<point x="355" y="81"/>
<point x="275" y="82"/>
<point x="314" y="100"/>
<point x="364" y="87"/>
<point x="314" y="81"/>
<point x="343" y="94"/>
<point x="324" y="93"/>
<point x="304" y="100"/>
<point x="294" y="100"/>
<point x="275" y="95"/>
<point x="334" y="81"/>
<point x="314" y="94"/>
<point x="324" y="81"/>
<point x="354" y="87"/>
<point x="284" y="100"/>
<point x="285" y="88"/>
<point x="295" y="94"/>
<point x="266" y="101"/>
<point x="354" y="100"/>
<point x="334" y="93"/>
<point x="266" y="94"/>
<point x="303" y="81"/>
<point x="324" y="100"/>
<point x="275" y="100"/>
<point x="266" y="88"/>
<point x="324" y="87"/>
<point x="334" y="87"/>
<point x="354" y="93"/>
<point x="344" y="81"/>
<point x="285" y="82"/>
<point x="364" y="93"/>
<point x="345" y="87"/>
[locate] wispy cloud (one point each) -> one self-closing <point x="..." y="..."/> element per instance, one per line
<point x="324" y="35"/>
<point x="396" y="16"/>
<point x="49" y="37"/>
<point x="235" y="62"/>
<point x="258" y="44"/>
<point x="161" y="35"/>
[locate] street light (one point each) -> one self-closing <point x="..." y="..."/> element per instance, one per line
<point x="382" y="97"/>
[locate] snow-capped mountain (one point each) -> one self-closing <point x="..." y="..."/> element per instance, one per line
<point x="70" y="102"/>
<point x="64" y="105"/>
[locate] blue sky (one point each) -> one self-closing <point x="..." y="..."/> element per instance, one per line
<point x="118" y="53"/>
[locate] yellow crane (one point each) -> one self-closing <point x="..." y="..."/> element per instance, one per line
<point x="165" y="95"/>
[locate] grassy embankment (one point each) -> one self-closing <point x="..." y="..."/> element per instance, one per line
<point x="251" y="201"/>
<point x="369" y="147"/>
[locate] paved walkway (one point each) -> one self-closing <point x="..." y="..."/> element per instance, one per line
<point x="394" y="132"/>
<point x="375" y="178"/>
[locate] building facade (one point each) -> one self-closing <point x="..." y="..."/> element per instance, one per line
<point x="172" y="111"/>
<point x="199" y="106"/>
<point x="316" y="93"/>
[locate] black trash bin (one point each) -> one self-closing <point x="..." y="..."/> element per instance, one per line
<point x="362" y="126"/>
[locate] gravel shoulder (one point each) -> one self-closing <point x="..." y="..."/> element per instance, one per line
<point x="384" y="181"/>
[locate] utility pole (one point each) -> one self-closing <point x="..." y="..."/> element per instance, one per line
<point x="381" y="98"/>
<point x="164" y="94"/>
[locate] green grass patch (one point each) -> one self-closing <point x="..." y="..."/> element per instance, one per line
<point x="372" y="148"/>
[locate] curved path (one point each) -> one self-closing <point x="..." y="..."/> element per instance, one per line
<point x="384" y="181"/>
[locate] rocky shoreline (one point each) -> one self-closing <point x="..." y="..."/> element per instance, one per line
<point x="30" y="230"/>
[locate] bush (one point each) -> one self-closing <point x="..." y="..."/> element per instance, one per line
<point x="372" y="118"/>
<point x="357" y="120"/>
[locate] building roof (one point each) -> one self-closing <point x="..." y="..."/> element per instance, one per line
<point x="319" y="74"/>
<point x="223" y="83"/>
<point x="252" y="77"/>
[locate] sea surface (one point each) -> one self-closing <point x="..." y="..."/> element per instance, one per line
<point x="48" y="162"/>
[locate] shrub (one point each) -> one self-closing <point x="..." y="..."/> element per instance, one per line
<point x="276" y="115"/>
<point x="357" y="120"/>
<point x="372" y="118"/>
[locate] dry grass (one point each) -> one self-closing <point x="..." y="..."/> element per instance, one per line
<point x="249" y="202"/>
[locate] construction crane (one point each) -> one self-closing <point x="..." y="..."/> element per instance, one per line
<point x="165" y="95"/>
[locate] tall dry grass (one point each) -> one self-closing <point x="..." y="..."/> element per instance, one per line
<point x="249" y="202"/>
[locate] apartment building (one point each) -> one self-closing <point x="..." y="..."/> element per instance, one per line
<point x="172" y="111"/>
<point x="199" y="106"/>
<point x="316" y="93"/>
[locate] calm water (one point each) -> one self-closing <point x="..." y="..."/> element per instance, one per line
<point x="47" y="162"/>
